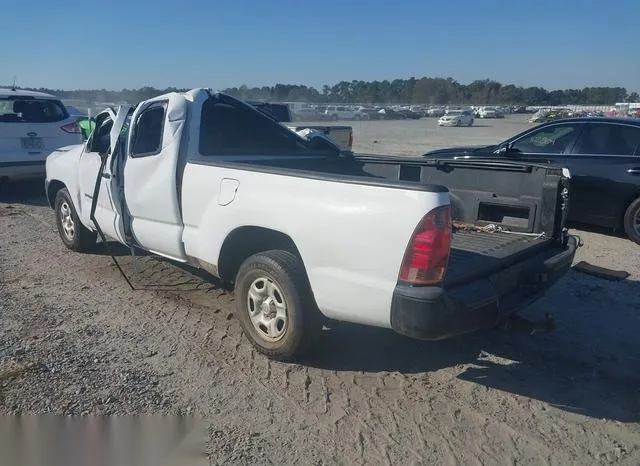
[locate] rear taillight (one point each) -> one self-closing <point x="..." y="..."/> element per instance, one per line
<point x="71" y="128"/>
<point x="350" y="139"/>
<point x="425" y="260"/>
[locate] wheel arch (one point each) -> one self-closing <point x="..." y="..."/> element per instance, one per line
<point x="245" y="241"/>
<point x="625" y="207"/>
<point x="52" y="188"/>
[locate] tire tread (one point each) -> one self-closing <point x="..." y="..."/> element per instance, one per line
<point x="288" y="270"/>
<point x="629" y="215"/>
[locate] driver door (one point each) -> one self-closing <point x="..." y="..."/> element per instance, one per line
<point x="103" y="143"/>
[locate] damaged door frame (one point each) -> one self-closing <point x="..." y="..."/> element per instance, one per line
<point x="115" y="145"/>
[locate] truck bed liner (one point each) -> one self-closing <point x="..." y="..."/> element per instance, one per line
<point x="475" y="253"/>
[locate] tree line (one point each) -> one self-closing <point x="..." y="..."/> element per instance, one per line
<point x="435" y="91"/>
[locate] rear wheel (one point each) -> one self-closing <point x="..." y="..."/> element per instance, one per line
<point x="275" y="306"/>
<point x="632" y="221"/>
<point x="73" y="233"/>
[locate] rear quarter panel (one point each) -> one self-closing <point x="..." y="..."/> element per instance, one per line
<point x="352" y="237"/>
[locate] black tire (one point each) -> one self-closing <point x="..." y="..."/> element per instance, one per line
<point x="303" y="322"/>
<point x="74" y="235"/>
<point x="632" y="221"/>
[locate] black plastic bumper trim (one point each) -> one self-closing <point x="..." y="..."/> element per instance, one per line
<point x="436" y="313"/>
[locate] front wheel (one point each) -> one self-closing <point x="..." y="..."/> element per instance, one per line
<point x="275" y="306"/>
<point x="73" y="233"/>
<point x="632" y="221"/>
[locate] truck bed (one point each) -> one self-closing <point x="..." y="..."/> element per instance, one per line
<point x="522" y="198"/>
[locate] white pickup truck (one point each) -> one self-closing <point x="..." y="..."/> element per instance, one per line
<point x="305" y="232"/>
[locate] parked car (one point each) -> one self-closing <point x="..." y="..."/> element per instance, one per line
<point x="519" y="109"/>
<point x="456" y="118"/>
<point x="305" y="232"/>
<point x="388" y="113"/>
<point x="545" y="115"/>
<point x="373" y="113"/>
<point x="603" y="155"/>
<point x="435" y="112"/>
<point x="32" y="125"/>
<point x="487" y="112"/>
<point x="342" y="112"/>
<point x="409" y="114"/>
<point x="308" y="114"/>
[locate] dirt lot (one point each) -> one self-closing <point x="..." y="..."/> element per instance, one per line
<point x="75" y="339"/>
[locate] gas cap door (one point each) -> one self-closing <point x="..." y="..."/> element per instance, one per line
<point x="228" y="189"/>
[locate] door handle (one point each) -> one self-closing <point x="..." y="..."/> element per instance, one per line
<point x="634" y="171"/>
<point x="106" y="175"/>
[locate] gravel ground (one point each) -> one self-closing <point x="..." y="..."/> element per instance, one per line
<point x="415" y="137"/>
<point x="74" y="339"/>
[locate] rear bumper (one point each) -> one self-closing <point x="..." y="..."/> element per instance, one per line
<point x="22" y="170"/>
<point x="433" y="313"/>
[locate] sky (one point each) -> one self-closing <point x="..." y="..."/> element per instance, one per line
<point x="115" y="44"/>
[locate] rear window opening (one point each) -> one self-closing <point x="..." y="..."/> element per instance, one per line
<point x="410" y="173"/>
<point x="16" y="110"/>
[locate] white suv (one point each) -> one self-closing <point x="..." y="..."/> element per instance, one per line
<point x="32" y="125"/>
<point x="339" y="112"/>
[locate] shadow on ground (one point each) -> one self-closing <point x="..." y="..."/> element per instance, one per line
<point x="25" y="192"/>
<point x="587" y="366"/>
<point x="522" y="364"/>
<point x="619" y="233"/>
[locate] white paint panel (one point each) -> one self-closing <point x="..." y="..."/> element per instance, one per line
<point x="150" y="184"/>
<point x="228" y="190"/>
<point x="351" y="237"/>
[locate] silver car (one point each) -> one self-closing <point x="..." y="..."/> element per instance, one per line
<point x="32" y="125"/>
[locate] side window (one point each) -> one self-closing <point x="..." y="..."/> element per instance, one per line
<point x="101" y="140"/>
<point x="147" y="131"/>
<point x="231" y="130"/>
<point x="609" y="139"/>
<point x="550" y="140"/>
<point x="631" y="137"/>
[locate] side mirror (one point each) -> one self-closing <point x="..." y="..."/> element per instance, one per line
<point x="507" y="150"/>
